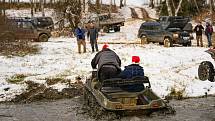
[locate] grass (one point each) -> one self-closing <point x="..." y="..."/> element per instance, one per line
<point x="52" y="81"/>
<point x="18" y="48"/>
<point x="17" y="78"/>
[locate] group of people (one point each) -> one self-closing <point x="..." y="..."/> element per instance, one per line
<point x="92" y="35"/>
<point x="208" y="32"/>
<point x="109" y="66"/>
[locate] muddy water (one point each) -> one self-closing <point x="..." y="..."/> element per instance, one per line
<point x="201" y="109"/>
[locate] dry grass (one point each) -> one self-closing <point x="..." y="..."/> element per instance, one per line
<point x="17" y="78"/>
<point x="17" y="48"/>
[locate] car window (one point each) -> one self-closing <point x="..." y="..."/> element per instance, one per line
<point x="27" y="25"/>
<point x="153" y="27"/>
<point x="162" y="19"/>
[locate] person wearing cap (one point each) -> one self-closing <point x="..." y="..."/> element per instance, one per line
<point x="131" y="71"/>
<point x="80" y="35"/>
<point x="93" y="35"/>
<point x="108" y="63"/>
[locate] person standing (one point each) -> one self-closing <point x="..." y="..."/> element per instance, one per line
<point x="198" y="29"/>
<point x="93" y="35"/>
<point x="208" y="33"/>
<point x="80" y="35"/>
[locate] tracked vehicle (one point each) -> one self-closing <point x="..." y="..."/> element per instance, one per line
<point x="109" y="95"/>
<point x="206" y="69"/>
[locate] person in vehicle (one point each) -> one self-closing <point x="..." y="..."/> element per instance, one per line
<point x="108" y="63"/>
<point x="131" y="71"/>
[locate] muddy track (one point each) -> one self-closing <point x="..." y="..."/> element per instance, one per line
<point x="135" y="14"/>
<point x="196" y="109"/>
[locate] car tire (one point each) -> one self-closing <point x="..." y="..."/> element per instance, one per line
<point x="8" y="38"/>
<point x="206" y="71"/>
<point x="189" y="44"/>
<point x="167" y="42"/>
<point x="144" y="40"/>
<point x="105" y="29"/>
<point x="43" y="38"/>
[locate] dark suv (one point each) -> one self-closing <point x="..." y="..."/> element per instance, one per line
<point x="154" y="32"/>
<point x="22" y="28"/>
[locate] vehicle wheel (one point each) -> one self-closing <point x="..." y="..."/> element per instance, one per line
<point x="167" y="42"/>
<point x="160" y="43"/>
<point x="43" y="38"/>
<point x="8" y="38"/>
<point x="144" y="40"/>
<point x="189" y="44"/>
<point x="206" y="71"/>
<point x="105" y="29"/>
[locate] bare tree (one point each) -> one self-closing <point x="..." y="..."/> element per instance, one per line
<point x="179" y="6"/>
<point x="120" y="4"/>
<point x="169" y="9"/>
<point x="111" y="3"/>
<point x="151" y="4"/>
<point x="197" y="7"/>
<point x="211" y="10"/>
<point x="98" y="6"/>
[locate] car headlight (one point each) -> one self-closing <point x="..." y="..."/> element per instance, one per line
<point x="175" y="35"/>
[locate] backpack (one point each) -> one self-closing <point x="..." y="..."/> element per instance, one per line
<point x="210" y="29"/>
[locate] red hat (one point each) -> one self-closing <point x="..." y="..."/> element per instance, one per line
<point x="135" y="59"/>
<point x="105" y="46"/>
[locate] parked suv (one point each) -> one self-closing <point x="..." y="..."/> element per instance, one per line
<point x="154" y="32"/>
<point x="22" y="28"/>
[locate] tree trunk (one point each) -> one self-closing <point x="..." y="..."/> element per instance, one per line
<point x="120" y="4"/>
<point x="110" y="9"/>
<point x="173" y="3"/>
<point x="211" y="11"/>
<point x="179" y="6"/>
<point x="32" y="8"/>
<point x="98" y="6"/>
<point x="197" y="7"/>
<point x="169" y="9"/>
<point x="151" y="4"/>
<point x="42" y="7"/>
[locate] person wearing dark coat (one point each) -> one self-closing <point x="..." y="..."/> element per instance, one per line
<point x="131" y="71"/>
<point x="208" y="33"/>
<point x="108" y="63"/>
<point x="199" y="29"/>
<point x="93" y="34"/>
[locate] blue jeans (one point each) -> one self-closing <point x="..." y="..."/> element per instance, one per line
<point x="209" y="40"/>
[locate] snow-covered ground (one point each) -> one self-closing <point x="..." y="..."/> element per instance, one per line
<point x="166" y="68"/>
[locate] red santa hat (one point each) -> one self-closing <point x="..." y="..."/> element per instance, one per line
<point x="135" y="59"/>
<point x="105" y="46"/>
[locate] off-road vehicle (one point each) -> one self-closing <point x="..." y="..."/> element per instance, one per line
<point x="109" y="95"/>
<point x="154" y="32"/>
<point x="206" y="69"/>
<point x="106" y="22"/>
<point x="22" y="28"/>
<point x="180" y="22"/>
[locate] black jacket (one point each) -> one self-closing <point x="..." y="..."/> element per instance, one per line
<point x="132" y="71"/>
<point x="106" y="57"/>
<point x="198" y="29"/>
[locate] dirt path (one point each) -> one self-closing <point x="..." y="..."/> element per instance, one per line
<point x="139" y="13"/>
<point x="199" y="109"/>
